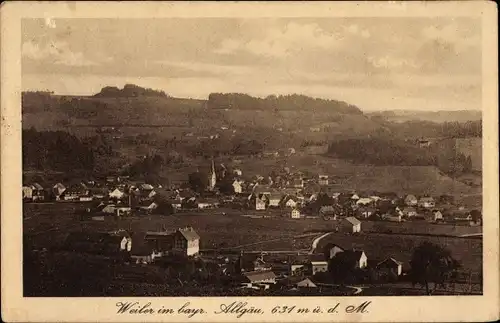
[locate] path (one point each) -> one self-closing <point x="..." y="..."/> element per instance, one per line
<point x="317" y="240"/>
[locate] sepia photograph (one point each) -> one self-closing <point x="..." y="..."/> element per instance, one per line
<point x="252" y="156"/>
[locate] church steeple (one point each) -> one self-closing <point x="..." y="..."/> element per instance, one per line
<point x="212" y="178"/>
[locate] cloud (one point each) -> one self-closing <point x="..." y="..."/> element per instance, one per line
<point x="205" y="68"/>
<point x="56" y="52"/>
<point x="282" y="42"/>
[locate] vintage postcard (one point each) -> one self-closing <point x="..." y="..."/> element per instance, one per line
<point x="249" y="161"/>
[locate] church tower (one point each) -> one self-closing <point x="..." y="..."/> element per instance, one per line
<point x="212" y="178"/>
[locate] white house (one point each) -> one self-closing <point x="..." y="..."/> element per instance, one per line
<point x="274" y="200"/>
<point x="410" y="212"/>
<point x="117" y="194"/>
<point x="295" y="214"/>
<point x="58" y="190"/>
<point x="237" y="187"/>
<point x="238" y="172"/>
<point x="260" y="204"/>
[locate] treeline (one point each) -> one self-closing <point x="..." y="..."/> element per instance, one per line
<point x="55" y="150"/>
<point x="278" y="103"/>
<point x="462" y="129"/>
<point x="378" y="151"/>
<point x="383" y="152"/>
<point x="130" y="90"/>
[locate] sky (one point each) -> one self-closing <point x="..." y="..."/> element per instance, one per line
<point x="376" y="63"/>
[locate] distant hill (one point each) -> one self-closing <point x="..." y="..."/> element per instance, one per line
<point x="433" y="116"/>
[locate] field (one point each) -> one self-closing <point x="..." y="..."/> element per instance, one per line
<point x="46" y="224"/>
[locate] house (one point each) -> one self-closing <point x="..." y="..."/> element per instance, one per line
<point x="58" y="189"/>
<point x="364" y="201"/>
<point x="433" y="216"/>
<point x="34" y="192"/>
<point x="426" y="202"/>
<point x="354" y="197"/>
<point x="355" y="259"/>
<point x="99" y="242"/>
<point x="117" y="194"/>
<point x="289" y="201"/>
<point x="365" y="211"/>
<point x="409" y="212"/>
<point x="318" y="264"/>
<point x="323" y="180"/>
<point x="422" y="143"/>
<point x="274" y="200"/>
<point x="27" y="193"/>
<point x="411" y="200"/>
<point x="390" y="267"/>
<point x="333" y="250"/>
<point x="328" y="212"/>
<point x="207" y="203"/>
<point x="351" y="225"/>
<point x="237" y="172"/>
<point x="159" y="241"/>
<point x="99" y="193"/>
<point x="145" y="187"/>
<point x="186" y="242"/>
<point x="305" y="283"/>
<point x="237" y="186"/>
<point x="251" y="278"/>
<point x="260" y="204"/>
<point x="295" y="213"/>
<point x="148" y="207"/>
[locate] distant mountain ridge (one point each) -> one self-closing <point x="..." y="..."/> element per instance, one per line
<point x="433" y="116"/>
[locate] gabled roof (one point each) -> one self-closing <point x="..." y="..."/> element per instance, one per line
<point x="146" y="187"/>
<point x="37" y="186"/>
<point x="305" y="283"/>
<point x="189" y="234"/>
<point x="352" y="220"/>
<point x="390" y="260"/>
<point x="410" y="197"/>
<point x="426" y="199"/>
<point x="255" y="276"/>
<point x="275" y="196"/>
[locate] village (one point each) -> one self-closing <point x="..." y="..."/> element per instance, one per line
<point x="307" y="266"/>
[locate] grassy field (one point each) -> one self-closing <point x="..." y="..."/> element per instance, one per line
<point x="46" y="225"/>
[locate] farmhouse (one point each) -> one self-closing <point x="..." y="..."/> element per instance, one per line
<point x="426" y="202"/>
<point x="148" y="207"/>
<point x="433" y="216"/>
<point x="350" y="224"/>
<point x="99" y="242"/>
<point x="355" y="259"/>
<point x="186" y="242"/>
<point x="58" y="189"/>
<point x="333" y="250"/>
<point x="390" y="267"/>
<point x="318" y="264"/>
<point x="411" y="200"/>
<point x="33" y="192"/>
<point x="251" y="278"/>
<point x="260" y="204"/>
<point x="162" y="241"/>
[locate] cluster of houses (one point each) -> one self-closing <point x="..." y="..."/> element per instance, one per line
<point x="285" y="193"/>
<point x="313" y="270"/>
<point x="140" y="247"/>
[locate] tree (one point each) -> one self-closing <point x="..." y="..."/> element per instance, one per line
<point x="198" y="181"/>
<point x="432" y="263"/>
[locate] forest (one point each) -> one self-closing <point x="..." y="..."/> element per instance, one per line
<point x="383" y="151"/>
<point x="129" y="90"/>
<point x="294" y="102"/>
